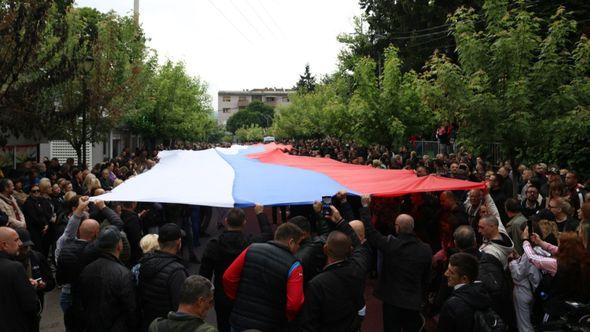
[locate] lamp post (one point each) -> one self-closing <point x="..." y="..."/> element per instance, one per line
<point x="86" y="68"/>
<point x="268" y="121"/>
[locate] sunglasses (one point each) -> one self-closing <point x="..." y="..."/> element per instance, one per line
<point x="34" y="191"/>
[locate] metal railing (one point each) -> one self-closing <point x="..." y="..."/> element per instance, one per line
<point x="432" y="148"/>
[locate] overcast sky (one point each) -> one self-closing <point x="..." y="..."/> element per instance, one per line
<point x="243" y="44"/>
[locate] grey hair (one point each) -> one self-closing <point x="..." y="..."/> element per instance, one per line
<point x="194" y="288"/>
<point x="491" y="220"/>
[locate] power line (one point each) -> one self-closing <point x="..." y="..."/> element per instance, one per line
<point x="420" y="36"/>
<point x="260" y="18"/>
<point x="426" y="42"/>
<point x="422" y="30"/>
<point x="245" y="18"/>
<point x="271" y="18"/>
<point x="229" y="21"/>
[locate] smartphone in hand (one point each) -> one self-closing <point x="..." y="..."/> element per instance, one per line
<point x="326" y="202"/>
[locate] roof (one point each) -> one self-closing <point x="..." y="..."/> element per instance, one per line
<point x="277" y="92"/>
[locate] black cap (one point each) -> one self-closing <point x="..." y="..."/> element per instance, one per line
<point x="553" y="170"/>
<point x="108" y="238"/>
<point x="170" y="232"/>
<point x="25" y="237"/>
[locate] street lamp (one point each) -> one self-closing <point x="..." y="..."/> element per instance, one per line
<point x="87" y="64"/>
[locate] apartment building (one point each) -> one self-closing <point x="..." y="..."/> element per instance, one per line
<point x="230" y="102"/>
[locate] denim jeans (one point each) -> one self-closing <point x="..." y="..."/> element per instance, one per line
<point x="65" y="299"/>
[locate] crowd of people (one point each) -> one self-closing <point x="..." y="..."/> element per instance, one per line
<point x="512" y="253"/>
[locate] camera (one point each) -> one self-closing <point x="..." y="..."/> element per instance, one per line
<point x="326" y="202"/>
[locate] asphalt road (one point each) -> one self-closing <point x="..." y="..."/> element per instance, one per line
<point x="52" y="318"/>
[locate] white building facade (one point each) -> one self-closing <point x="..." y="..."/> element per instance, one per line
<point x="230" y="102"/>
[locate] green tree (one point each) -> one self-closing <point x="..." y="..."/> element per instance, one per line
<point x="252" y="133"/>
<point x="256" y="113"/>
<point x="306" y="81"/>
<point x="323" y="112"/>
<point x="32" y="33"/>
<point x="106" y="53"/>
<point x="173" y="106"/>
<point x="515" y="83"/>
<point x="416" y="28"/>
<point x="358" y="107"/>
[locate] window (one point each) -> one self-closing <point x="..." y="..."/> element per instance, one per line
<point x="270" y="99"/>
<point x="226" y="99"/>
<point x="243" y="98"/>
<point x="226" y="110"/>
<point x="285" y="99"/>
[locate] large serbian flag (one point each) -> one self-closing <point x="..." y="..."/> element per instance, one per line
<point x="244" y="175"/>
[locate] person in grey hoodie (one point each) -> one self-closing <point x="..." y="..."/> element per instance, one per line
<point x="495" y="243"/>
<point x="526" y="278"/>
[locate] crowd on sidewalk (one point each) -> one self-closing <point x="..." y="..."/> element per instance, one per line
<point x="513" y="253"/>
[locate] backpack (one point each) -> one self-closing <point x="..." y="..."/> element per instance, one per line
<point x="488" y="321"/>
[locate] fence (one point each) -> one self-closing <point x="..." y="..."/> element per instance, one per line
<point x="431" y="148"/>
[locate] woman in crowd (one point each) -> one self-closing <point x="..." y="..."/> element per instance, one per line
<point x="568" y="269"/>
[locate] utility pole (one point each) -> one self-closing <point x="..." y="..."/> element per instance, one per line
<point x="136" y="11"/>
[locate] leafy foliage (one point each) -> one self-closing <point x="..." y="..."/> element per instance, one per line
<point x="252" y="133"/>
<point x="256" y="113"/>
<point x="32" y="33"/>
<point x="106" y="53"/>
<point x="173" y="106"/>
<point x="306" y="81"/>
<point x="386" y="112"/>
<point x="515" y="84"/>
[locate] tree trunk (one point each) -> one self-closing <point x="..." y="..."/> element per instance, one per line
<point x="78" y="149"/>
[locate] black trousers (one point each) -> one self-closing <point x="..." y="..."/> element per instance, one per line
<point x="223" y="308"/>
<point x="399" y="319"/>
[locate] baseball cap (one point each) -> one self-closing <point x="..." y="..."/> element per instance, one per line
<point x="170" y="232"/>
<point x="553" y="170"/>
<point x="25" y="237"/>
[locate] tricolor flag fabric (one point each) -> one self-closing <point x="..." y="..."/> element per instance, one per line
<point x="242" y="176"/>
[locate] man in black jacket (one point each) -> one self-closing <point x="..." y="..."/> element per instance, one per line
<point x="107" y="288"/>
<point x="221" y="252"/>
<point x="405" y="273"/>
<point x="132" y="228"/>
<point x="73" y="258"/>
<point x="36" y="267"/>
<point x="334" y="298"/>
<point x="311" y="252"/>
<point x="457" y="313"/>
<point x="161" y="275"/>
<point x="38" y="212"/>
<point x="18" y="302"/>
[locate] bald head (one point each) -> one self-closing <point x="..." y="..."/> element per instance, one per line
<point x="359" y="228"/>
<point x="99" y="191"/>
<point x="405" y="224"/>
<point x="9" y="241"/>
<point x="5" y="232"/>
<point x="464" y="237"/>
<point x="89" y="230"/>
<point x="338" y="245"/>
